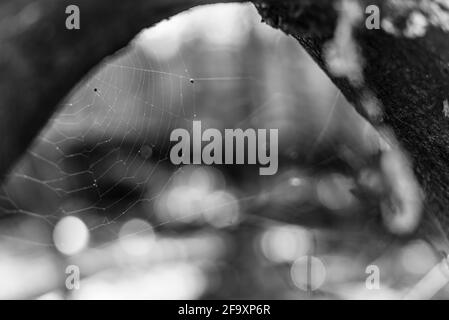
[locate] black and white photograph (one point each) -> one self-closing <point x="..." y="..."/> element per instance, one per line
<point x="226" y="156"/>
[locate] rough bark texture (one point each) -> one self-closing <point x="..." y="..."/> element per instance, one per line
<point x="40" y="61"/>
<point x="410" y="77"/>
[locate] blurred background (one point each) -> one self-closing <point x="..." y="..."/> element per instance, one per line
<point x="98" y="191"/>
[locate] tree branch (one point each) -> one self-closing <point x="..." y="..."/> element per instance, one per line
<point x="409" y="76"/>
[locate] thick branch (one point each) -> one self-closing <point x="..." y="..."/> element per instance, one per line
<point x="410" y="77"/>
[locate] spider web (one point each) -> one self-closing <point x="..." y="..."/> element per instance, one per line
<point x="120" y="109"/>
<point x="104" y="155"/>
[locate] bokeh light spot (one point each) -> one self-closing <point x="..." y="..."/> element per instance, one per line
<point x="70" y="235"/>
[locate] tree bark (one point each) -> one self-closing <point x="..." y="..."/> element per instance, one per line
<point x="410" y="77"/>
